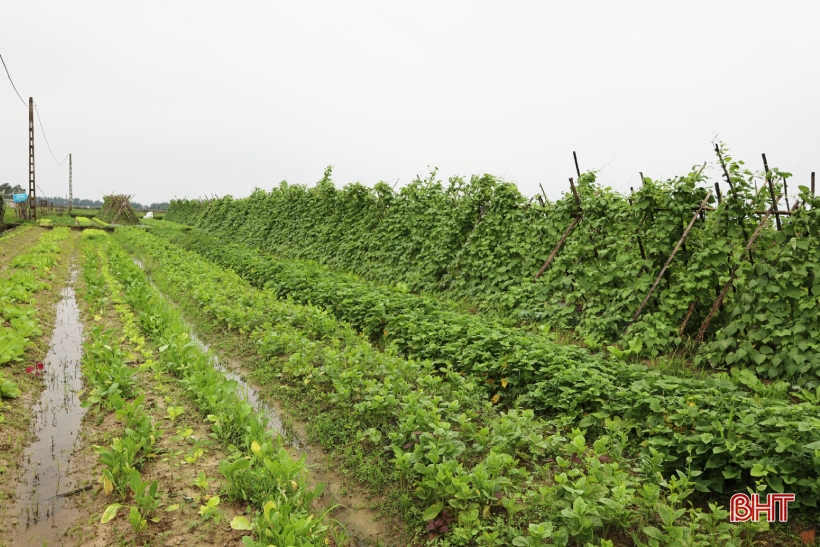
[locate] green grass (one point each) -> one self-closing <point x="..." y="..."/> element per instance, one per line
<point x="88" y="213"/>
<point x="10" y="217"/>
<point x="57" y="219"/>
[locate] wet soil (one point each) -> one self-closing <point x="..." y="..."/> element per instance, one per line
<point x="175" y="467"/>
<point x="269" y="410"/>
<point x="17" y="429"/>
<point x="351" y="503"/>
<point x="44" y="485"/>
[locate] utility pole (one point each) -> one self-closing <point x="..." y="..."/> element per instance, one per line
<point x="32" y="192"/>
<point x="70" y="191"/>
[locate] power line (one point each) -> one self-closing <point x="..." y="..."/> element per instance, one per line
<point x="44" y="135"/>
<point x="12" y="83"/>
<point x="52" y="169"/>
<point x="59" y="163"/>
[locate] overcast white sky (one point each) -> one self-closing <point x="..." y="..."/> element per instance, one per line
<point x="187" y="98"/>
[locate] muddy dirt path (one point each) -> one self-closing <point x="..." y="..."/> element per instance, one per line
<point x="40" y="512"/>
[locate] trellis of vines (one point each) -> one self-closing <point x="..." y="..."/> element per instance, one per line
<point x="482" y="241"/>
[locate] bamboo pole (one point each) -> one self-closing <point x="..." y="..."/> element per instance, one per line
<point x="575" y="193"/>
<point x="640" y="241"/>
<point x="786" y="193"/>
<point x="728" y="284"/>
<point x="669" y="261"/>
<point x="686" y="319"/>
<point x="771" y="193"/>
<point x="557" y="247"/>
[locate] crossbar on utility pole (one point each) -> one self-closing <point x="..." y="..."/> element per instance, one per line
<point x="32" y="187"/>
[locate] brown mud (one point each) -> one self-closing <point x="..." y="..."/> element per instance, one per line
<point x="351" y="503"/>
<point x="177" y="464"/>
<point x="18" y="428"/>
<point x="41" y="507"/>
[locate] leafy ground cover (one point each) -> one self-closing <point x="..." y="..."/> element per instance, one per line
<point x="257" y="470"/>
<point x="87" y="213"/>
<point x="57" y="219"/>
<point x="29" y="275"/>
<point x="495" y="472"/>
<point x="34" y="266"/>
<point x="483" y="241"/>
<point x="725" y="428"/>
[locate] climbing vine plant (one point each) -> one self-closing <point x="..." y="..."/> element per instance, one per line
<point x="482" y="241"/>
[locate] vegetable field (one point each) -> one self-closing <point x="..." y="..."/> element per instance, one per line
<point x="483" y="243"/>
<point x="448" y="364"/>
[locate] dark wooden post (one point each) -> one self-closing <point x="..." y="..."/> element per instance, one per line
<point x="640" y="241"/>
<point x="575" y="193"/>
<point x="669" y="260"/>
<point x="728" y="284"/>
<point x="557" y="247"/>
<point x="771" y="193"/>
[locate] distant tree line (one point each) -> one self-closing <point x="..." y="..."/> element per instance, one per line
<point x="7" y="190"/>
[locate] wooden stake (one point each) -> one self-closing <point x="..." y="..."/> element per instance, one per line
<point x="717" y="193"/>
<point x="771" y="193"/>
<point x="640" y="241"/>
<point x="669" y="260"/>
<point x="731" y="189"/>
<point x="575" y="193"/>
<point x="543" y="192"/>
<point x="577" y="170"/>
<point x="554" y="252"/>
<point x="786" y="193"/>
<point x="725" y="171"/>
<point x="728" y="284"/>
<point x="686" y="319"/>
<point x="812" y="184"/>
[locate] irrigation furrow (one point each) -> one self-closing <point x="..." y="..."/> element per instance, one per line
<point x="41" y="506"/>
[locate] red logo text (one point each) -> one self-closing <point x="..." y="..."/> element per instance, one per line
<point x="743" y="508"/>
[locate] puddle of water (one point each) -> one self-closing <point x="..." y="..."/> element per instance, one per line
<point x="245" y="390"/>
<point x="249" y="394"/>
<point x="40" y="501"/>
